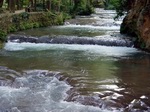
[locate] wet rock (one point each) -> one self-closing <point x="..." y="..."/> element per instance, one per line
<point x="7" y="76"/>
<point x="43" y="39"/>
<point x="21" y="38"/>
<point x="136" y="106"/>
<point x="105" y="40"/>
<point x="9" y="71"/>
<point x="3" y="68"/>
<point x="61" y="40"/>
<point x="88" y="100"/>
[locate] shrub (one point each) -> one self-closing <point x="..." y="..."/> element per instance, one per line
<point x="36" y="25"/>
<point x="2" y="35"/>
<point x="12" y="28"/>
<point x="24" y="16"/>
<point x="59" y="19"/>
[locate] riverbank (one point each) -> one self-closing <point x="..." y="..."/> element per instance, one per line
<point x="24" y="20"/>
<point x="1" y="45"/>
<point x="136" y="23"/>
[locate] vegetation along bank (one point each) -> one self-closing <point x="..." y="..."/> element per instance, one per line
<point x="16" y="15"/>
<point x="42" y="13"/>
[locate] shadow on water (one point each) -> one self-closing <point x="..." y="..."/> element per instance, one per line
<point x="133" y="77"/>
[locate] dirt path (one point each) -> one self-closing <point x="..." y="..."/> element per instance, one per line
<point x="8" y="13"/>
<point x="19" y="11"/>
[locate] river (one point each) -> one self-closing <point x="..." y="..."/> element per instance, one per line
<point x="75" y="76"/>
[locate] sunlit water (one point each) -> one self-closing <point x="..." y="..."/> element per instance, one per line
<point x="74" y="78"/>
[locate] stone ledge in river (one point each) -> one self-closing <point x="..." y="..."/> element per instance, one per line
<point x="21" y="38"/>
<point x="106" y="40"/>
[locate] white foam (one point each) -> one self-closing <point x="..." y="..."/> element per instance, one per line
<point x="42" y="94"/>
<point x="103" y="28"/>
<point x="92" y="49"/>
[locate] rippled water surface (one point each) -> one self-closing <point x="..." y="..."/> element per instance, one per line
<point x="74" y="78"/>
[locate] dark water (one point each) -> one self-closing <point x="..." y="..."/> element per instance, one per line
<point x="74" y="78"/>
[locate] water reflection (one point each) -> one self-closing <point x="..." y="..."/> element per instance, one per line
<point x="133" y="75"/>
<point x="116" y="78"/>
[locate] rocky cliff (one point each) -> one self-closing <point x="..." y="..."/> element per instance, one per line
<point x="137" y="23"/>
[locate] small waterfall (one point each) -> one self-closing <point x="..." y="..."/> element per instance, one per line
<point x="100" y="40"/>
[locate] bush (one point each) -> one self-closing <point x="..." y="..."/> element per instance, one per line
<point x="24" y="16"/>
<point x="82" y="7"/>
<point x="59" y="19"/>
<point x="12" y="28"/>
<point x="2" y="35"/>
<point x="36" y="25"/>
<point x="15" y="19"/>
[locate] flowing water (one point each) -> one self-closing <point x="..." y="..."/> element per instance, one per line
<point x="51" y="77"/>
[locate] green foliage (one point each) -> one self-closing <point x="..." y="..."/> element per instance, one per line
<point x="2" y="10"/>
<point x="1" y="45"/>
<point x="54" y="13"/>
<point x="66" y="6"/>
<point x="25" y="21"/>
<point x="66" y="16"/>
<point x="25" y="2"/>
<point x="119" y="5"/>
<point x="110" y="4"/>
<point x="72" y="7"/>
<point x="21" y="17"/>
<point x="84" y="10"/>
<point x="83" y="7"/>
<point x="143" y="45"/>
<point x="59" y="19"/>
<point x="25" y="26"/>
<point x="36" y="25"/>
<point x="24" y="16"/>
<point x="46" y="19"/>
<point x="98" y="3"/>
<point x="12" y="28"/>
<point x="2" y="35"/>
<point x="15" y="18"/>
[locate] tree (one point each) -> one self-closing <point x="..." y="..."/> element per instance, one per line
<point x="48" y="4"/>
<point x="12" y="5"/>
<point x="68" y="6"/>
<point x="31" y="2"/>
<point x="1" y="3"/>
<point x="19" y="4"/>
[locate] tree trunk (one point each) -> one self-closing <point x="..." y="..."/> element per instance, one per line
<point x="12" y="5"/>
<point x="18" y="3"/>
<point x="76" y="2"/>
<point x="59" y="3"/>
<point x="1" y="3"/>
<point x="35" y="4"/>
<point x="31" y="3"/>
<point x="48" y="4"/>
